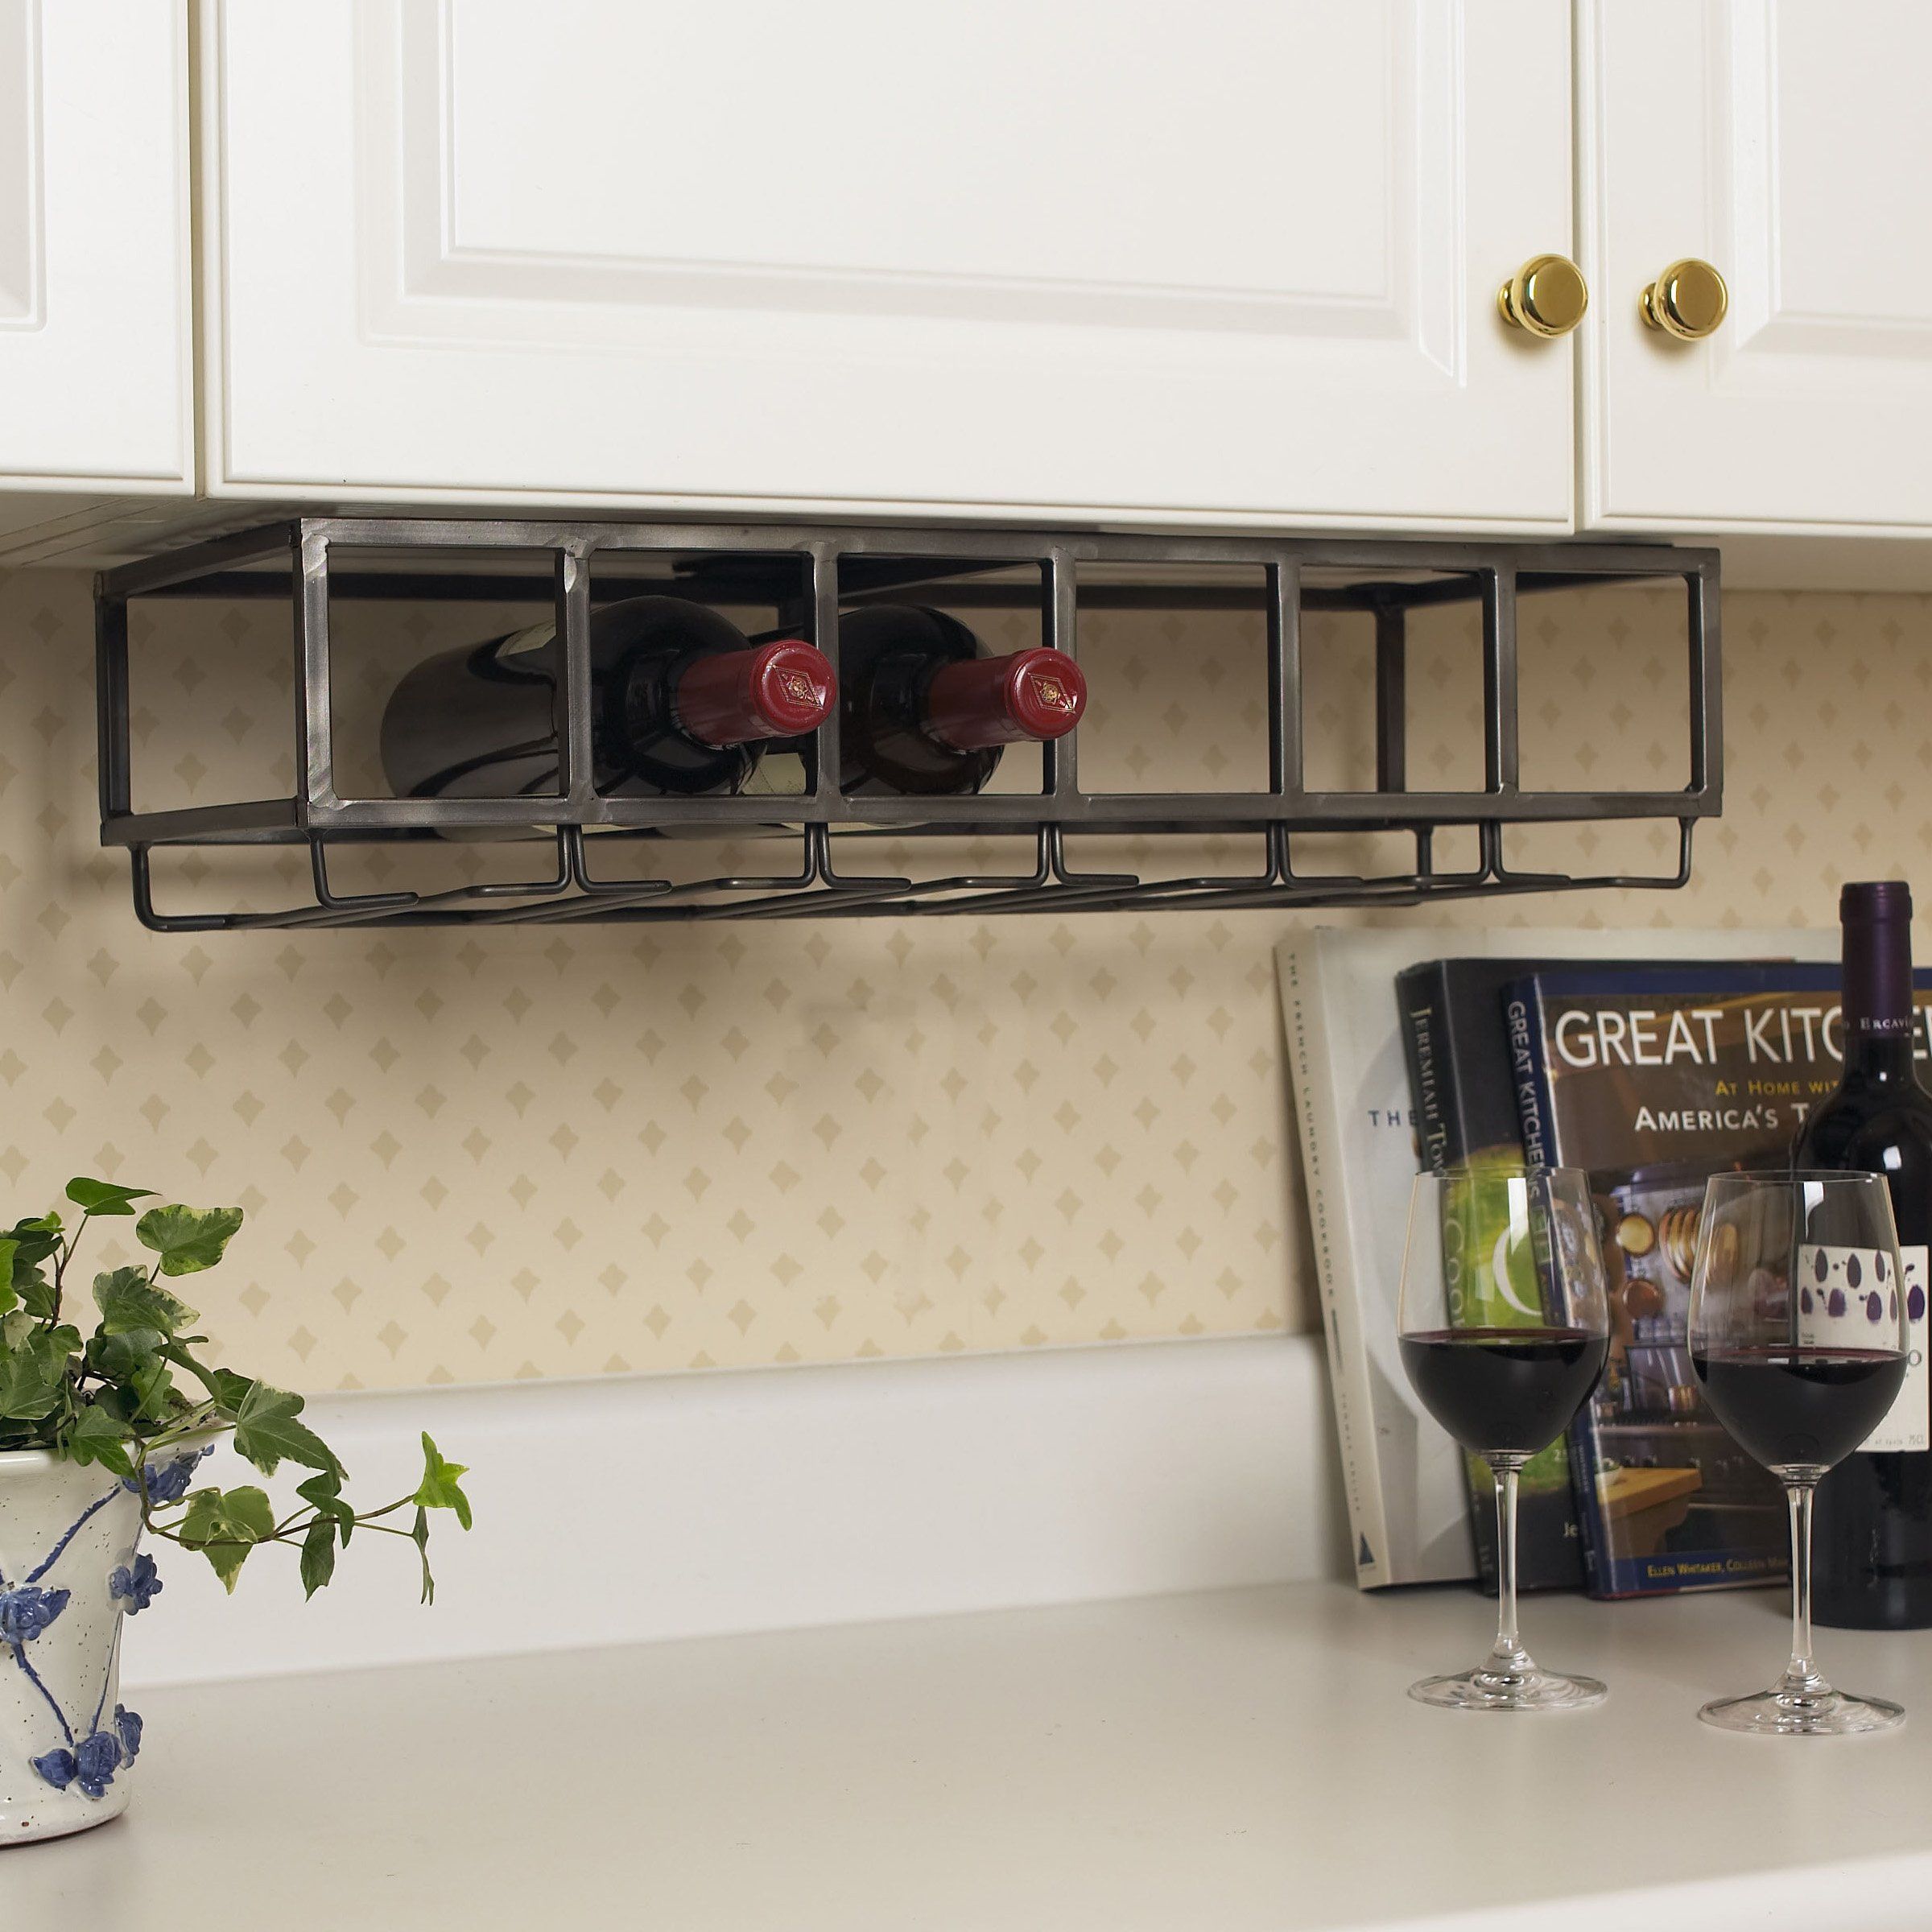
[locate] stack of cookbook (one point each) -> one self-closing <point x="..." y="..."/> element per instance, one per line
<point x="1650" y="1058"/>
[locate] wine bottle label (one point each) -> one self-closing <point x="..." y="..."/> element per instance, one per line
<point x="1847" y="1297"/>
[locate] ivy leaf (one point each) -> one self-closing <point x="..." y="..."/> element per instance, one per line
<point x="419" y="1536"/>
<point x="186" y="1239"/>
<point x="322" y="1488"/>
<point x="129" y="1303"/>
<point x="122" y="1403"/>
<point x="118" y="1357"/>
<point x="97" y="1437"/>
<point x="139" y="1385"/>
<point x="439" y="1489"/>
<point x="34" y="1240"/>
<point x="224" y="1525"/>
<point x="249" y="1507"/>
<point x="33" y="1369"/>
<point x="325" y="1491"/>
<point x="201" y="1519"/>
<point x="318" y="1555"/>
<point x="35" y="1291"/>
<point x="103" y="1197"/>
<point x="29" y="1244"/>
<point x="267" y="1431"/>
<point x="231" y="1389"/>
<point x="30" y="1379"/>
<point x="9" y="1299"/>
<point x="153" y="1389"/>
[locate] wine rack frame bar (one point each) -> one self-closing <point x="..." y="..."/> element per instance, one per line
<point x="807" y="573"/>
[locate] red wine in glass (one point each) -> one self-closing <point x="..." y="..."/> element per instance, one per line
<point x="1496" y="1235"/>
<point x="1795" y="1410"/>
<point x="1504" y="1391"/>
<point x="1799" y="1379"/>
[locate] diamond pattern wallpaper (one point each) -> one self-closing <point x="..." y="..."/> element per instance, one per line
<point x="475" y="1156"/>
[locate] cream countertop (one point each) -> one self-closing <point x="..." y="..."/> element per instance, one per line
<point x="1234" y="1760"/>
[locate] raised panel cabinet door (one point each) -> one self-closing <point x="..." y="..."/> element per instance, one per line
<point x="1787" y="143"/>
<point x="94" y="333"/>
<point x="1226" y="260"/>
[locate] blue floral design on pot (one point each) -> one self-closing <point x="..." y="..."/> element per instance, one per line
<point x="136" y="1584"/>
<point x="91" y="1764"/>
<point x="168" y="1484"/>
<point x="26" y="1611"/>
<point x="91" y="1751"/>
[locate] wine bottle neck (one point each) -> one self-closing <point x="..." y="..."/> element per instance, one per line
<point x="981" y="702"/>
<point x="777" y="690"/>
<point x="1877" y="997"/>
<point x="1871" y="1057"/>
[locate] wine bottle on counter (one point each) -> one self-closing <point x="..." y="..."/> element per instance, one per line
<point x="681" y="702"/>
<point x="1872" y="1536"/>
<point x="928" y="709"/>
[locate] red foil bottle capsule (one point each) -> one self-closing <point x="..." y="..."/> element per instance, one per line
<point x="766" y="691"/>
<point x="926" y="709"/>
<point x="1033" y="694"/>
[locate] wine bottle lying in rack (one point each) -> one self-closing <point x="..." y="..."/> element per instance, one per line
<point x="928" y="709"/>
<point x="681" y="702"/>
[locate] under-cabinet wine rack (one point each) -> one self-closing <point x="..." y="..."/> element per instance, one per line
<point x="817" y="852"/>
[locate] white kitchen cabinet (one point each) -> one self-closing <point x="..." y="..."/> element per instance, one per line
<point x="95" y="380"/>
<point x="1235" y="261"/>
<point x="1787" y="142"/>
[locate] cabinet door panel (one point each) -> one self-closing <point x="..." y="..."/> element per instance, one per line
<point x="1234" y="258"/>
<point x="93" y="246"/>
<point x="1787" y="141"/>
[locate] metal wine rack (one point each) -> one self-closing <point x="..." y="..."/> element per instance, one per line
<point x="805" y="575"/>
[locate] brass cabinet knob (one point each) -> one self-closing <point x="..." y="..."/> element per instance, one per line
<point x="1688" y="300"/>
<point x="1547" y="296"/>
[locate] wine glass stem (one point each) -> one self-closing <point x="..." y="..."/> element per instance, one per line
<point x="1508" y="1654"/>
<point x="1800" y="1674"/>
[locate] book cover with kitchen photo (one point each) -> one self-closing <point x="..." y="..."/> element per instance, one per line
<point x="1464" y="1095"/>
<point x="1360" y="1143"/>
<point x="1652" y="1079"/>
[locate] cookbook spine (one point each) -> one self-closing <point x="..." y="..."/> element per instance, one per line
<point x="1429" y="1049"/>
<point x="1529" y="1074"/>
<point x="1312" y="1075"/>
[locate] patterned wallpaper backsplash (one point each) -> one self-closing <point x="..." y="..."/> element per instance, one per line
<point x="472" y="1156"/>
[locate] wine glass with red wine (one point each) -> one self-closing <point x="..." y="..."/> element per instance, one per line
<point x="1504" y="1328"/>
<point x="1797" y="1334"/>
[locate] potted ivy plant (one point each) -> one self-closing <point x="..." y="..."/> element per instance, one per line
<point x="101" y="1436"/>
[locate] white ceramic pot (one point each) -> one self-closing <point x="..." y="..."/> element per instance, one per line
<point x="69" y="1573"/>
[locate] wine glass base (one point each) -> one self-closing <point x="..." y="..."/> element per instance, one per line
<point x="1527" y="1689"/>
<point x="1821" y="1713"/>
